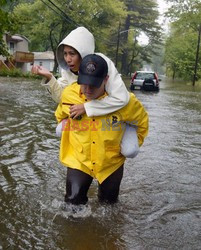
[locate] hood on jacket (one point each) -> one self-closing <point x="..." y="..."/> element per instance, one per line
<point x="80" y="39"/>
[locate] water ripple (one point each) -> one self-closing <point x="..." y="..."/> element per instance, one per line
<point x="159" y="205"/>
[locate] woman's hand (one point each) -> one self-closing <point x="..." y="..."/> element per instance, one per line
<point x="77" y="110"/>
<point x="41" y="71"/>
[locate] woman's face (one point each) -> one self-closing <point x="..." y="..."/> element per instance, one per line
<point x="72" y="58"/>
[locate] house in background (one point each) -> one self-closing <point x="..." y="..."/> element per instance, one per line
<point x="20" y="55"/>
<point x="45" y="59"/>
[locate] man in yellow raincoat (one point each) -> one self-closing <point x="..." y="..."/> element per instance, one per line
<point x="90" y="146"/>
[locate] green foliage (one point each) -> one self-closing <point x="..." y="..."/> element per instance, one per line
<point x="3" y="47"/>
<point x="16" y="73"/>
<point x="48" y="25"/>
<point x="180" y="54"/>
<point x="181" y="44"/>
<point x="8" y="23"/>
<point x="52" y="20"/>
<point x="142" y="17"/>
<point x="2" y="2"/>
<point x="37" y="28"/>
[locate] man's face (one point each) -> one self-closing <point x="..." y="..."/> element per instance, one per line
<point x="91" y="92"/>
<point x="72" y="58"/>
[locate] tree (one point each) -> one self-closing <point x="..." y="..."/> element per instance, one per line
<point x="52" y="20"/>
<point x="7" y="24"/>
<point x="179" y="53"/>
<point x="186" y="17"/>
<point x="142" y="16"/>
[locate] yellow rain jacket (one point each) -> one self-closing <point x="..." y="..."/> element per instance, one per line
<point x="92" y="144"/>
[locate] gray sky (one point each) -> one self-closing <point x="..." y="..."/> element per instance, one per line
<point x="162" y="5"/>
<point x="164" y="23"/>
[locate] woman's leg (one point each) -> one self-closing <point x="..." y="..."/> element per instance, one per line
<point x="129" y="144"/>
<point x="77" y="186"/>
<point x="61" y="127"/>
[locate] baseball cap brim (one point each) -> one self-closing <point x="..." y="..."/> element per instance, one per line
<point x="90" y="80"/>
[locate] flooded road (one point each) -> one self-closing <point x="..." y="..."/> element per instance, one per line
<point x="160" y="197"/>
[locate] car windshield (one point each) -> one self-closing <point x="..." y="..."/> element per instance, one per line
<point x="144" y="75"/>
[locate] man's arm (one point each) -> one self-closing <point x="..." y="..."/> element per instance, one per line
<point x="70" y="96"/>
<point x="62" y="112"/>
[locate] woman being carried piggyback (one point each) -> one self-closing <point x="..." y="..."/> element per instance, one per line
<point x="77" y="44"/>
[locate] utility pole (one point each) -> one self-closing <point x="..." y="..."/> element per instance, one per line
<point x="197" y="56"/>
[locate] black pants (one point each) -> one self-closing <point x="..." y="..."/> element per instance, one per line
<point x="78" y="183"/>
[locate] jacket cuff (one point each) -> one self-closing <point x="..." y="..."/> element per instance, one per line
<point x="88" y="109"/>
<point x="47" y="83"/>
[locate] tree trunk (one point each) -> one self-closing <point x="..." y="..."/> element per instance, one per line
<point x="135" y="53"/>
<point x="51" y="36"/>
<point x="124" y="65"/>
<point x="117" y="49"/>
<point x="173" y="74"/>
<point x="197" y="56"/>
<point x="55" y="64"/>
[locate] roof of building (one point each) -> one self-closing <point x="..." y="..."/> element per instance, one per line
<point x="47" y="55"/>
<point x="18" y="38"/>
<point x="15" y="38"/>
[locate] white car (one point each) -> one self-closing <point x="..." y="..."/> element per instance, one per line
<point x="145" y="80"/>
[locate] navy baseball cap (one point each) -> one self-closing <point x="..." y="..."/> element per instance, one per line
<point x="93" y="70"/>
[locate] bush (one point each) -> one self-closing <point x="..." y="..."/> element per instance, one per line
<point x="17" y="73"/>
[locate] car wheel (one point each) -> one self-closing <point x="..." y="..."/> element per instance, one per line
<point x="132" y="87"/>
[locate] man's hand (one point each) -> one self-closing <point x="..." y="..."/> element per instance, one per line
<point x="39" y="70"/>
<point x="77" y="110"/>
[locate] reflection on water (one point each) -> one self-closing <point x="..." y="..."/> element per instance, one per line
<point x="160" y="204"/>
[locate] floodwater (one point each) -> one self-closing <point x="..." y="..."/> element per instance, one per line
<point x="160" y="199"/>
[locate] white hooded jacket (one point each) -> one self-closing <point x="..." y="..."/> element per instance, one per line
<point x="83" y="41"/>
